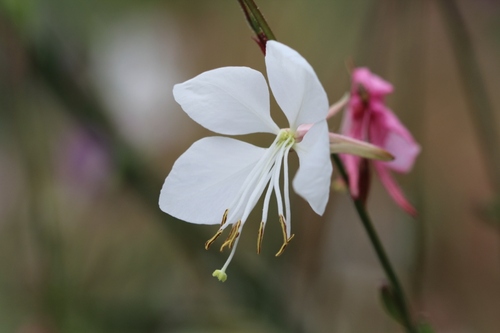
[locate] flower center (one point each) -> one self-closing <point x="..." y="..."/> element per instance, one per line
<point x="285" y="137"/>
<point x="266" y="172"/>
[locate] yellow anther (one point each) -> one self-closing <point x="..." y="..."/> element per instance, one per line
<point x="211" y="240"/>
<point x="282" y="249"/>
<point x="222" y="276"/>
<point x="283" y="226"/>
<point x="260" y="236"/>
<point x="286" y="240"/>
<point x="224" y="217"/>
<point x="233" y="234"/>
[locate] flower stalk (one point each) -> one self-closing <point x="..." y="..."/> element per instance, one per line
<point x="398" y="293"/>
<point x="264" y="33"/>
<point x="257" y="22"/>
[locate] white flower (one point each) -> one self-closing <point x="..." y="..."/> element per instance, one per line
<point x="219" y="179"/>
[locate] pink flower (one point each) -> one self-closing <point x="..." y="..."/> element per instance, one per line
<point x="368" y="118"/>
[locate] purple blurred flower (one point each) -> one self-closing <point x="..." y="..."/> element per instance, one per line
<point x="84" y="161"/>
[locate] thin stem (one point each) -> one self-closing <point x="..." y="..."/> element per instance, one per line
<point x="256" y="19"/>
<point x="260" y="26"/>
<point x="254" y="24"/>
<point x="381" y="254"/>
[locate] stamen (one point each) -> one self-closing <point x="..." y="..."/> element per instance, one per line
<point x="209" y="242"/>
<point x="265" y="172"/>
<point x="283" y="247"/>
<point x="283" y="226"/>
<point x="260" y="183"/>
<point x="255" y="177"/>
<point x="275" y="181"/>
<point x="224" y="218"/>
<point x="286" y="240"/>
<point x="233" y="234"/>
<point x="260" y="236"/>
<point x="286" y="185"/>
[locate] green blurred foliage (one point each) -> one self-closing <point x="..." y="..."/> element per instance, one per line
<point x="83" y="245"/>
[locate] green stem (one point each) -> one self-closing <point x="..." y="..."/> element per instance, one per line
<point x="256" y="19"/>
<point x="260" y="26"/>
<point x="382" y="256"/>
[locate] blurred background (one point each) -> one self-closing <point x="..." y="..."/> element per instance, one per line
<point x="89" y="130"/>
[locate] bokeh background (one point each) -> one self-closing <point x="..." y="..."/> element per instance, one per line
<point x="89" y="130"/>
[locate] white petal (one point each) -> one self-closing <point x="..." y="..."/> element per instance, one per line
<point x="228" y="100"/>
<point x="295" y="85"/>
<point x="206" y="178"/>
<point x="313" y="178"/>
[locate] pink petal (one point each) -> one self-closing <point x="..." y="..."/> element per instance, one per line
<point x="339" y="105"/>
<point x="374" y="84"/>
<point x="405" y="152"/>
<point x="389" y="120"/>
<point x="354" y="126"/>
<point x="393" y="188"/>
<point x="351" y="165"/>
<point x="354" y="122"/>
<point x="387" y="131"/>
<point x="347" y="123"/>
<point x="301" y="131"/>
